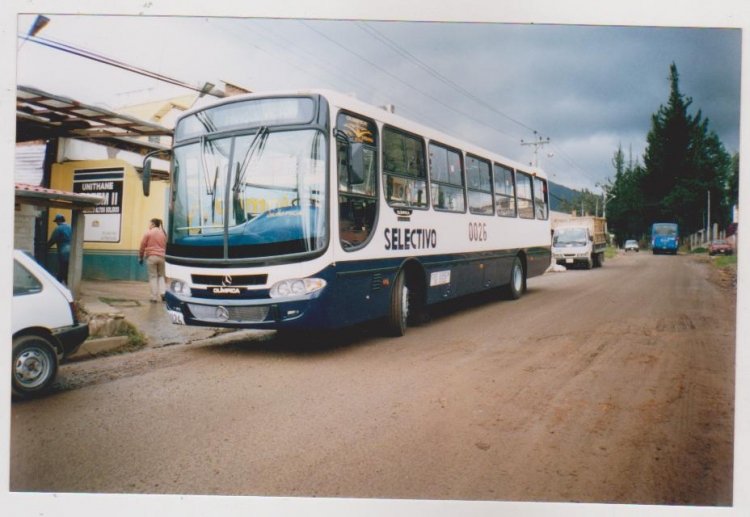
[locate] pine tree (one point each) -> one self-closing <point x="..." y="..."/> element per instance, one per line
<point x="625" y="208"/>
<point x="684" y="161"/>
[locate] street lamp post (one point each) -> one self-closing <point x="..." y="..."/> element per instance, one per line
<point x="606" y="196"/>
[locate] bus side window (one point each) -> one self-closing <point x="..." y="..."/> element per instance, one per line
<point x="404" y="171"/>
<point x="505" y="191"/>
<point x="446" y="179"/>
<point x="525" y="195"/>
<point x="479" y="183"/>
<point x="356" y="159"/>
<point x="541" y="205"/>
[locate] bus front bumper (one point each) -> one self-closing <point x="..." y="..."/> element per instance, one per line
<point x="243" y="313"/>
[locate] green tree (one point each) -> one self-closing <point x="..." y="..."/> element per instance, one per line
<point x="625" y="206"/>
<point x="684" y="162"/>
<point x="584" y="202"/>
<point x="733" y="186"/>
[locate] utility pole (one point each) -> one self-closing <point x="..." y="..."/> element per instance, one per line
<point x="708" y="217"/>
<point x="539" y="142"/>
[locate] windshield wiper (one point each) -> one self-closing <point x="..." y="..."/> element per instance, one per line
<point x="210" y="185"/>
<point x="258" y="142"/>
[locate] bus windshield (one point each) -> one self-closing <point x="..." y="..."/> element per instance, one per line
<point x="665" y="229"/>
<point x="252" y="195"/>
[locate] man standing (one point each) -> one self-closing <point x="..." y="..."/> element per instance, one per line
<point x="153" y="248"/>
<point x="61" y="237"/>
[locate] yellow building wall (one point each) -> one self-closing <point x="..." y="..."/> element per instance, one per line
<point x="115" y="260"/>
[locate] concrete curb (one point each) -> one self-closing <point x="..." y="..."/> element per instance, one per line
<point x="93" y="347"/>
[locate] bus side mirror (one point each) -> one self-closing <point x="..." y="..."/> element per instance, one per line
<point x="146" y="173"/>
<point x="146" y="176"/>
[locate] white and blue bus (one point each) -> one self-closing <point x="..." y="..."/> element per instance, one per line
<point x="315" y="210"/>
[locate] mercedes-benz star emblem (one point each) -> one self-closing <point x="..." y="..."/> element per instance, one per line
<point x="222" y="313"/>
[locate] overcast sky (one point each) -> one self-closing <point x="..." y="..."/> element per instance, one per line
<point x="587" y="88"/>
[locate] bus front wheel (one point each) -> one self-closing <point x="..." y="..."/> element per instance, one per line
<point x="398" y="310"/>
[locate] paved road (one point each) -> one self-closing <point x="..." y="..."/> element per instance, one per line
<point x="610" y="385"/>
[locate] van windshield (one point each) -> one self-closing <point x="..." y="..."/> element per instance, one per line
<point x="570" y="237"/>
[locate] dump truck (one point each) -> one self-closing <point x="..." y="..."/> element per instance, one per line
<point x="579" y="241"/>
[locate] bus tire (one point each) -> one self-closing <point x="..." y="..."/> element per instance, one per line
<point x="517" y="283"/>
<point x="398" y="310"/>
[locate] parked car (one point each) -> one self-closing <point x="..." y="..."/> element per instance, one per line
<point x="720" y="247"/>
<point x="631" y="245"/>
<point x="44" y="325"/>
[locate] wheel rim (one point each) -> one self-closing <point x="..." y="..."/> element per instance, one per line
<point x="517" y="277"/>
<point x="32" y="367"/>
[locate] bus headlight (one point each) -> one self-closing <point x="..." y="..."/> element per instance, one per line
<point x="179" y="287"/>
<point x="296" y="287"/>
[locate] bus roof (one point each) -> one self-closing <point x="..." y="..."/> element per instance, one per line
<point x="355" y="105"/>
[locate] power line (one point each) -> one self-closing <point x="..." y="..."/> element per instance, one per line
<point x="408" y="85"/>
<point x="331" y="71"/>
<point x="300" y="63"/>
<point x="205" y="90"/>
<point x="445" y="80"/>
<point x="408" y="55"/>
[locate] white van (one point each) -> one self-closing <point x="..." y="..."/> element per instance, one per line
<point x="44" y="324"/>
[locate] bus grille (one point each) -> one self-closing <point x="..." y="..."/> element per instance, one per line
<point x="236" y="314"/>
<point x="232" y="280"/>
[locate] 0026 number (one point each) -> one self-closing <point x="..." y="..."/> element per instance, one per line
<point x="477" y="231"/>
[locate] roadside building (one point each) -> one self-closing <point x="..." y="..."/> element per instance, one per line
<point x="76" y="151"/>
<point x="70" y="147"/>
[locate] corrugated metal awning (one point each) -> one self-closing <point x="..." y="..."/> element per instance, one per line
<point x="47" y="197"/>
<point x="42" y="115"/>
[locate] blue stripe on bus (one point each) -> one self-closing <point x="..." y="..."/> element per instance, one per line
<point x="358" y="291"/>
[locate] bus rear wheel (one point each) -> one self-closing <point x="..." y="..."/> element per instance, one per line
<point x="517" y="283"/>
<point x="398" y="310"/>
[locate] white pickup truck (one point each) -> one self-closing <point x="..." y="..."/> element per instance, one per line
<point x="579" y="241"/>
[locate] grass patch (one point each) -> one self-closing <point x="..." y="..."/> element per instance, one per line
<point x="699" y="250"/>
<point x="610" y="252"/>
<point x="724" y="261"/>
<point x="136" y="339"/>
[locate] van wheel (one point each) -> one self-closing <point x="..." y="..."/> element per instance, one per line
<point x="34" y="365"/>
<point x="398" y="311"/>
<point x="517" y="283"/>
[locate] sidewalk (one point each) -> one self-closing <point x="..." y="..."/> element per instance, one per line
<point x="106" y="302"/>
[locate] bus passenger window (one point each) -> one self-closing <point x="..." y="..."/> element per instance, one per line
<point x="479" y="183"/>
<point x="356" y="159"/>
<point x="404" y="171"/>
<point x="446" y="173"/>
<point x="525" y="196"/>
<point x="505" y="191"/>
